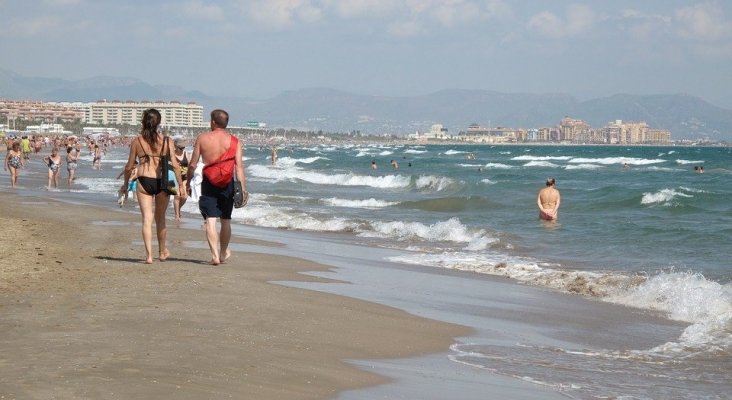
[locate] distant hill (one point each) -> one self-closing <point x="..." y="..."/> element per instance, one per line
<point x="337" y="111"/>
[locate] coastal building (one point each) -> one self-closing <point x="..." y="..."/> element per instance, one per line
<point x="174" y="113"/>
<point x="574" y="130"/>
<point x="37" y="111"/>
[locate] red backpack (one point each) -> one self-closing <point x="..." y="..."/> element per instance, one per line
<point x="220" y="172"/>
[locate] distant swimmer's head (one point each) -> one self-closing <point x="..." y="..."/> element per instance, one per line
<point x="550" y="181"/>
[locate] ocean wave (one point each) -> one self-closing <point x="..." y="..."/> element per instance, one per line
<point x="545" y="164"/>
<point x="615" y="160"/>
<point x="97" y="185"/>
<point x="541" y="158"/>
<point x="487" y="181"/>
<point x="368" y="203"/>
<point x="434" y="183"/>
<point x="291" y="174"/>
<point x="687" y="297"/>
<point x="453" y="152"/>
<point x="450" y="204"/>
<point x="498" y="166"/>
<point x="584" y="166"/>
<point x="288" y="161"/>
<point x="684" y="162"/>
<point x="414" y="151"/>
<point x="664" y="196"/>
<point x="451" y="230"/>
<point x="284" y="218"/>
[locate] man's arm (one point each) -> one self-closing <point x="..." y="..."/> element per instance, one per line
<point x="239" y="162"/>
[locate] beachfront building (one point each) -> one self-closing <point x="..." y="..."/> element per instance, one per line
<point x="574" y="130"/>
<point x="174" y="113"/>
<point x="478" y="134"/>
<point x="37" y="111"/>
<point x="622" y="132"/>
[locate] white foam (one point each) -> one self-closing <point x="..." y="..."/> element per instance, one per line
<point x="435" y="183"/>
<point x="684" y="162"/>
<point x="453" y="152"/>
<point x="545" y="164"/>
<point x="413" y="151"/>
<point x="272" y="217"/>
<point x="541" y="158"/>
<point x="615" y="160"/>
<point x="487" y="181"/>
<point x="368" y="203"/>
<point x="291" y="174"/>
<point x="664" y="196"/>
<point x="386" y="153"/>
<point x="583" y="166"/>
<point x="451" y="230"/>
<point x="687" y="297"/>
<point x="498" y="166"/>
<point x="289" y="161"/>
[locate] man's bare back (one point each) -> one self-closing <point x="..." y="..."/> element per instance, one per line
<point x="212" y="145"/>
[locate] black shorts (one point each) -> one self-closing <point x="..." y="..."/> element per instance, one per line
<point x="216" y="202"/>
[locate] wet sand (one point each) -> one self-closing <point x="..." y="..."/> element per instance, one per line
<point x="82" y="317"/>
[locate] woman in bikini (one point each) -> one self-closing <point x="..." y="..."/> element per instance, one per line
<point x="182" y="156"/>
<point x="72" y="157"/>
<point x="54" y="165"/>
<point x="147" y="149"/>
<point x="13" y="162"/>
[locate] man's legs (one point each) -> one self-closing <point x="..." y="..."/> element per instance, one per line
<point x="225" y="238"/>
<point x="213" y="239"/>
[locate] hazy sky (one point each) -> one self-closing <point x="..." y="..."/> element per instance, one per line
<point x="259" y="48"/>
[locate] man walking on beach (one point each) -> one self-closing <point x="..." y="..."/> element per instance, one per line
<point x="222" y="156"/>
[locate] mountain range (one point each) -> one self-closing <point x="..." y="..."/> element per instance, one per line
<point x="332" y="110"/>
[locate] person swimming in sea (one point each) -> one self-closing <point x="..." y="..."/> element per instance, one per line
<point x="548" y="201"/>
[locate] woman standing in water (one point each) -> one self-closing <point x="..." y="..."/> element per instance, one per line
<point x="548" y="201"/>
<point x="13" y="162"/>
<point x="54" y="166"/>
<point x="147" y="149"/>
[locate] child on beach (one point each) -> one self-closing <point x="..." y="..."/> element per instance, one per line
<point x="131" y="187"/>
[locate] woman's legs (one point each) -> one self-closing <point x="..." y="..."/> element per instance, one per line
<point x="50" y="179"/>
<point x="13" y="176"/>
<point x="161" y="206"/>
<point x="146" y="209"/>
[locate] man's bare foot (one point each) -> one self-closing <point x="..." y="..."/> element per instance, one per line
<point x="164" y="255"/>
<point x="148" y="260"/>
<point x="227" y="254"/>
<point x="214" y="262"/>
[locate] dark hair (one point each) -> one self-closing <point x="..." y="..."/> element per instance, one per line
<point x="220" y="118"/>
<point x="150" y="122"/>
<point x="550" y="181"/>
<point x="68" y="149"/>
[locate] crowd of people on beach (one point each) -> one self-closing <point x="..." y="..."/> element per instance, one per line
<point x="21" y="151"/>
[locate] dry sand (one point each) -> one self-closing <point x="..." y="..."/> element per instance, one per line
<point x="82" y="317"/>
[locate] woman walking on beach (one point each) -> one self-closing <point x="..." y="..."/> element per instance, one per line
<point x="13" y="162"/>
<point x="72" y="157"/>
<point x="147" y="149"/>
<point x="182" y="156"/>
<point x="54" y="165"/>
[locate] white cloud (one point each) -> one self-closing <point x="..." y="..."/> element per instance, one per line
<point x="704" y="22"/>
<point x="198" y="9"/>
<point x="280" y="14"/>
<point x="35" y="26"/>
<point x="577" y="19"/>
<point x="406" y="29"/>
<point x="361" y="8"/>
<point x="63" y="3"/>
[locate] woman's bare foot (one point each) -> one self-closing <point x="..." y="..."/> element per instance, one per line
<point x="164" y="255"/>
<point x="148" y="260"/>
<point x="214" y="262"/>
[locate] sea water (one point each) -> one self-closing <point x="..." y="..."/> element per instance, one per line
<point x="637" y="226"/>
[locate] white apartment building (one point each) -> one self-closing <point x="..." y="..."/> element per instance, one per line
<point x="174" y="113"/>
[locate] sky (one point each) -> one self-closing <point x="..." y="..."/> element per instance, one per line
<point x="260" y="48"/>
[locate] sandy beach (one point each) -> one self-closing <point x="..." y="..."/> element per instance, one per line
<point x="82" y="317"/>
